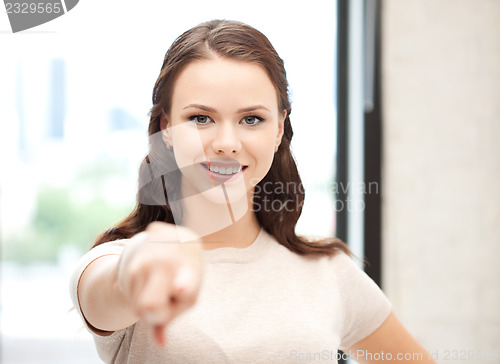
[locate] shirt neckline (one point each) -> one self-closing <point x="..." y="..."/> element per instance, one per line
<point x="239" y="255"/>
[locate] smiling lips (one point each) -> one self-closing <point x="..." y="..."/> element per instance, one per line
<point x="222" y="170"/>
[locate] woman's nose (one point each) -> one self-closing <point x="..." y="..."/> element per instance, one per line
<point x="226" y="140"/>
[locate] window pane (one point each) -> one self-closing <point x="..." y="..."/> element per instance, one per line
<point x="74" y="113"/>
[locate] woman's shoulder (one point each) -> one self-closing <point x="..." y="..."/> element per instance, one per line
<point x="335" y="253"/>
<point x="336" y="261"/>
<point x="113" y="246"/>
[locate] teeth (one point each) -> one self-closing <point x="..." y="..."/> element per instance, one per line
<point x="225" y="170"/>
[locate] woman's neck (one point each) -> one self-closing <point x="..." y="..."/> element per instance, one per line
<point x="240" y="234"/>
<point x="230" y="224"/>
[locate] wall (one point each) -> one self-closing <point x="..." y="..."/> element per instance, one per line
<point x="441" y="171"/>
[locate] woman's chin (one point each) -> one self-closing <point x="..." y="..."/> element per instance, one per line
<point x="226" y="194"/>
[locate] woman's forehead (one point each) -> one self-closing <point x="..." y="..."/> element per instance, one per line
<point x="222" y="81"/>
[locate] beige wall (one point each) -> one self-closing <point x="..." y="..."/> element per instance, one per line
<point x="441" y="170"/>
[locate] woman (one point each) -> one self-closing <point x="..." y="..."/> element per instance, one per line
<point x="208" y="268"/>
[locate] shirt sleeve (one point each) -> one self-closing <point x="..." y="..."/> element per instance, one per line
<point x="110" y="248"/>
<point x="365" y="306"/>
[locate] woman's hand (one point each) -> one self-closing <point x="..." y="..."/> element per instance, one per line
<point x="159" y="275"/>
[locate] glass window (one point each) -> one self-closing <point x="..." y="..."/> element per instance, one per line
<point x="75" y="96"/>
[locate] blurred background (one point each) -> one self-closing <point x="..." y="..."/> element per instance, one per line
<point x="75" y="94"/>
<point x="395" y="107"/>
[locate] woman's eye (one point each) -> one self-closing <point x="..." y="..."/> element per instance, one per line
<point x="252" y="120"/>
<point x="200" y="119"/>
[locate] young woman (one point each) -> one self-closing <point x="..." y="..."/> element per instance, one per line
<point x="207" y="268"/>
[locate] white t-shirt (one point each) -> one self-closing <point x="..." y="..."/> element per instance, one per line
<point x="260" y="304"/>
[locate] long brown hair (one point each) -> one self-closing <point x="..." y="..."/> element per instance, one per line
<point x="241" y="42"/>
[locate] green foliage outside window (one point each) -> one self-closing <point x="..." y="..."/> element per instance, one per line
<point x="62" y="217"/>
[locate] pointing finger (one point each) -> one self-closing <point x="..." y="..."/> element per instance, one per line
<point x="159" y="334"/>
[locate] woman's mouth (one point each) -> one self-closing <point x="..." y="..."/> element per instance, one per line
<point x="223" y="171"/>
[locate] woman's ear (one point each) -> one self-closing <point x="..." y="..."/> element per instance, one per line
<point x="281" y="129"/>
<point x="165" y="130"/>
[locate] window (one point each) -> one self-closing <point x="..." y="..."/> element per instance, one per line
<point x="75" y="97"/>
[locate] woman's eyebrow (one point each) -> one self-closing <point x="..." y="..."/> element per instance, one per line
<point x="253" y="108"/>
<point x="199" y="106"/>
<point x="210" y="109"/>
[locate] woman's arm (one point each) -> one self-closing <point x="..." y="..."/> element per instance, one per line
<point x="389" y="343"/>
<point x="155" y="278"/>
<point x="104" y="305"/>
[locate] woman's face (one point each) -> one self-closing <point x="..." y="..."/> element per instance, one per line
<point x="224" y="126"/>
